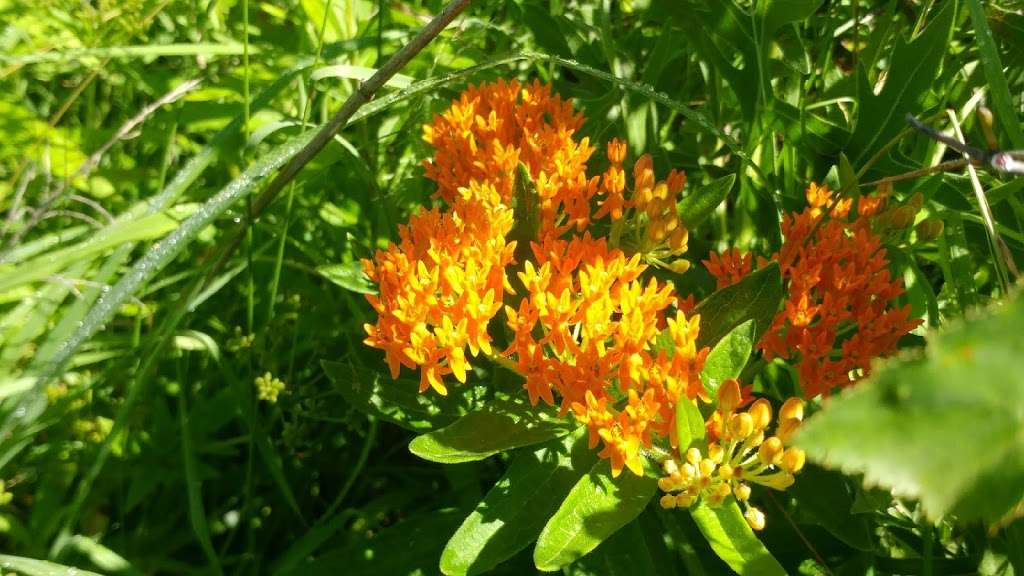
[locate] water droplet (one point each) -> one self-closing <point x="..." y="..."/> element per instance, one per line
<point x="237" y="220"/>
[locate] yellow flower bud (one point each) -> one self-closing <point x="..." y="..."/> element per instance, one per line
<point x="792" y="409"/>
<point x="707" y="467"/>
<point x="755" y="518"/>
<point x="693" y="456"/>
<point x="786" y="429"/>
<point x="667" y="501"/>
<point x="761" y="412"/>
<point x="670" y="466"/>
<point x="666" y="484"/>
<point x="793" y="460"/>
<point x="770" y="451"/>
<point x="741" y="425"/>
<point x="778" y="481"/>
<point x="679" y="266"/>
<point x="728" y="396"/>
<point x="716" y="452"/>
<point x="684" y="500"/>
<point x="718" y="494"/>
<point x="742" y="492"/>
<point x="725" y="472"/>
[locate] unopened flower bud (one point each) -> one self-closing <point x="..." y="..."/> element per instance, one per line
<point x="929" y="229"/>
<point x="770" y="451"/>
<point x="718" y="494"/>
<point x="742" y="492"/>
<point x="729" y="396"/>
<point x="792" y="409"/>
<point x="761" y="413"/>
<point x="793" y="460"/>
<point x="684" y="500"/>
<point x="741" y="425"/>
<point x="668" y="501"/>
<point x="693" y="456"/>
<point x="670" y="466"/>
<point x="707" y="467"/>
<point x="716" y="452"/>
<point x="725" y="472"/>
<point x="755" y="518"/>
<point x="679" y="266"/>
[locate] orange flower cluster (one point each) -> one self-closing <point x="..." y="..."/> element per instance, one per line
<point x="441" y="286"/>
<point x="840" y="291"/>
<point x="598" y="323"/>
<point x="738" y="456"/>
<point x="615" y="348"/>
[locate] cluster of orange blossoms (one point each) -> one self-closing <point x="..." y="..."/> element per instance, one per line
<point x="583" y="322"/>
<point x="738" y="455"/>
<point x="839" y="290"/>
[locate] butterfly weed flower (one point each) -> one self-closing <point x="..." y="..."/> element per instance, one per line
<point x="583" y="322"/>
<point x="440" y="286"/>
<point x="741" y="453"/>
<point x="840" y="292"/>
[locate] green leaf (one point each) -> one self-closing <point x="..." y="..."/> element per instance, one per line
<point x="526" y="211"/>
<point x="732" y="539"/>
<point x="778" y="13"/>
<point x="349" y="276"/>
<point x="32" y="567"/>
<point x="848" y="186"/>
<point x="913" y="69"/>
<point x="998" y="90"/>
<point x="596" y="507"/>
<point x="699" y="204"/>
<point x="689" y="424"/>
<point x="515" y="510"/>
<point x="828" y="498"/>
<point x="626" y="553"/>
<point x="945" y="428"/>
<point x="727" y="359"/>
<point x="500" y="425"/>
<point x="396" y="401"/>
<point x="409" y="547"/>
<point x="757" y="297"/>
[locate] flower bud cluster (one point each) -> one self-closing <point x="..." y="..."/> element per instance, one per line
<point x="741" y="453"/>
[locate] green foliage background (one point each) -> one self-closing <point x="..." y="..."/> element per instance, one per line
<point x="131" y="332"/>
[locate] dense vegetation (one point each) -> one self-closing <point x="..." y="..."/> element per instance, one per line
<point x="185" y="389"/>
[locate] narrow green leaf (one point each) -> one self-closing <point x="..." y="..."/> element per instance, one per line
<point x="699" y="204"/>
<point x="912" y="71"/>
<point x="32" y="567"/>
<point x="396" y="401"/>
<point x="778" y="13"/>
<point x="757" y="297"/>
<point x="848" y="186"/>
<point x="597" y="506"/>
<point x="998" y="89"/>
<point x="349" y="276"/>
<point x="727" y="359"/>
<point x="500" y="425"/>
<point x="732" y="539"/>
<point x="902" y="426"/>
<point x="514" y="512"/>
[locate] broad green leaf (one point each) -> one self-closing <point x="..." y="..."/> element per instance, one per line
<point x="500" y="425"/>
<point x="732" y="539"/>
<point x="397" y="401"/>
<point x="827" y="497"/>
<point x="625" y="553"/>
<point x="699" y="204"/>
<point x="349" y="276"/>
<point x="597" y="506"/>
<point x="756" y="297"/>
<point x="777" y="13"/>
<point x="912" y="71"/>
<point x="514" y="512"/>
<point x="727" y="359"/>
<point x="409" y="547"/>
<point x="689" y="423"/>
<point x="944" y="428"/>
<point x="32" y="567"/>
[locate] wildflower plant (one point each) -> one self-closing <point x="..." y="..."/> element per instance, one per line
<point x="532" y="267"/>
